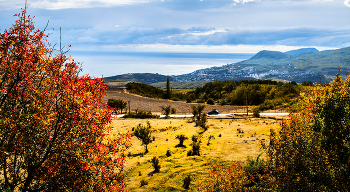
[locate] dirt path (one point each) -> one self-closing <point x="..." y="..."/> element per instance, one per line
<point x="154" y="105"/>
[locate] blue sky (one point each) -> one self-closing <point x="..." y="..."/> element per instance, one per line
<point x="201" y="26"/>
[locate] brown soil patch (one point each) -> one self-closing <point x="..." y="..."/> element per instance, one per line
<point x="154" y="105"/>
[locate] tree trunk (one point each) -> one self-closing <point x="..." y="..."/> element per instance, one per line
<point x="146" y="149"/>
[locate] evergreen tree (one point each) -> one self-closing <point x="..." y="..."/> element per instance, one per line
<point x="168" y="91"/>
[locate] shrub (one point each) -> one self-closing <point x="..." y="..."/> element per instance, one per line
<point x="156" y="165"/>
<point x="210" y="102"/>
<point x="256" y="112"/>
<point x="194" y="138"/>
<point x="222" y="179"/>
<point x="141" y="114"/>
<point x="168" y="153"/>
<point x="257" y="172"/>
<point x="195" y="149"/>
<point x="209" y="138"/>
<point x="198" y="116"/>
<point x="187" y="182"/>
<point x="311" y="152"/>
<point x="181" y="139"/>
<point x="202" y="122"/>
<point x="189" y="153"/>
<point x="143" y="182"/>
<point x="195" y="146"/>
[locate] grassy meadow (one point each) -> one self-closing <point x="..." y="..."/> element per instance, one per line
<point x="228" y="145"/>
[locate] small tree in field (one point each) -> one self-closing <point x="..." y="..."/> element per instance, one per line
<point x="143" y="133"/>
<point x="52" y="121"/>
<point x="187" y="182"/>
<point x="195" y="146"/>
<point x="198" y="115"/>
<point x="181" y="139"/>
<point x="156" y="165"/>
<point x="117" y="104"/>
<point x="166" y="110"/>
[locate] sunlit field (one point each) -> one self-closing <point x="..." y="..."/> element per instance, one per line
<point x="234" y="140"/>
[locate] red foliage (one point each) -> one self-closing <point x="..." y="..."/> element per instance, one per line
<point x="52" y="121"/>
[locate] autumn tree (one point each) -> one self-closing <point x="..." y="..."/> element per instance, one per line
<point x="143" y="133"/>
<point x="311" y="151"/>
<point x="52" y="120"/>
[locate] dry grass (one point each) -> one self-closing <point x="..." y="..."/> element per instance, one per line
<point x="230" y="146"/>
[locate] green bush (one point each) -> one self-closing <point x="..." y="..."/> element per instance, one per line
<point x="210" y="102"/>
<point x="140" y="114"/>
<point x="256" y="112"/>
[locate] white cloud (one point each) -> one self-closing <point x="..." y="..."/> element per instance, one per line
<point x="235" y="2"/>
<point x="347" y="3"/>
<point x="195" y="48"/>
<point x="87" y="39"/>
<point x="67" y="4"/>
<point x="207" y="32"/>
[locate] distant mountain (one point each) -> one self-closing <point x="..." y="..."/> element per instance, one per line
<point x="139" y="77"/>
<point x="270" y="55"/>
<point x="298" y="65"/>
<point x="302" y="51"/>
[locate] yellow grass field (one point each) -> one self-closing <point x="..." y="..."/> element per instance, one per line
<point x="227" y="146"/>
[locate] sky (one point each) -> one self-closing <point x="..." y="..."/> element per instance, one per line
<point x="187" y="26"/>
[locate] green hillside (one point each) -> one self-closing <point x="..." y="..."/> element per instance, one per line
<point x="302" y="51"/>
<point x="139" y="77"/>
<point x="324" y="61"/>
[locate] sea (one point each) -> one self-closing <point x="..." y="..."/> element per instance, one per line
<point x="106" y="64"/>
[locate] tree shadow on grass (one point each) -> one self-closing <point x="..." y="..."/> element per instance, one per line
<point x="183" y="146"/>
<point x="136" y="154"/>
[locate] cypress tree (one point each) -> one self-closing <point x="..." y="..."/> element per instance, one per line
<point x="168" y="91"/>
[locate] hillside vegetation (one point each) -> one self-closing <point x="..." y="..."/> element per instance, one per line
<point x="266" y="93"/>
<point x="181" y="85"/>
